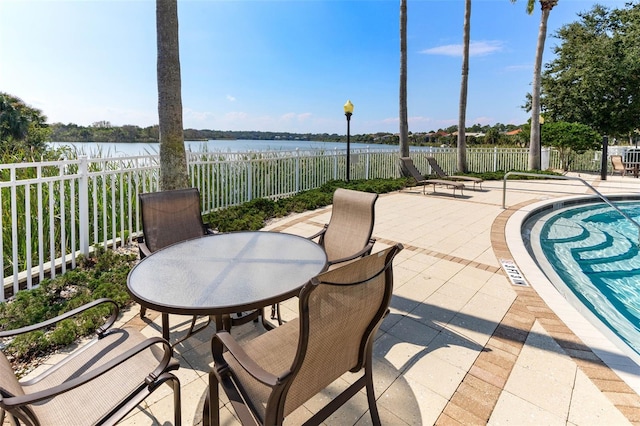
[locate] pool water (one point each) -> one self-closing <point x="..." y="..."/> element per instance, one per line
<point x="594" y="250"/>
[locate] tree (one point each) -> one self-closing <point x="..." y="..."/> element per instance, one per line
<point x="534" y="142"/>
<point x="594" y="78"/>
<point x="462" y="111"/>
<point x="173" y="159"/>
<point x="570" y="138"/>
<point x="14" y="121"/>
<point x="23" y="130"/>
<point x="404" y="120"/>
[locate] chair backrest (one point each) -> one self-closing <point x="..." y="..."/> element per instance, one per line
<point x="340" y="312"/>
<point x="406" y="164"/>
<point x="169" y="217"/>
<point x="436" y="167"/>
<point x="351" y="224"/>
<point x="616" y="162"/>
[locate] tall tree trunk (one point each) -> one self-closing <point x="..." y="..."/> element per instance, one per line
<point x="534" y="141"/>
<point x="404" y="120"/>
<point x="173" y="159"/>
<point x="462" y="112"/>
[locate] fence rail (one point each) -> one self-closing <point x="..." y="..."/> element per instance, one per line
<point x="53" y="211"/>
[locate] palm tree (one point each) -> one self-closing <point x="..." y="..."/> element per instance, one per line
<point x="534" y="141"/>
<point x="404" y="121"/>
<point x="14" y="118"/>
<point x="462" y="112"/>
<point x="173" y="159"/>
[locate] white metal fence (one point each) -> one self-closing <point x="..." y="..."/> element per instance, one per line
<point x="53" y="211"/>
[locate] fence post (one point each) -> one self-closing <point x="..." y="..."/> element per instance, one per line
<point x="495" y="158"/>
<point x="335" y="163"/>
<point x="366" y="165"/>
<point x="83" y="205"/>
<point x="297" y="170"/>
<point x="249" y="180"/>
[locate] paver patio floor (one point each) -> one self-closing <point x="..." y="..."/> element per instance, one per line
<point x="462" y="345"/>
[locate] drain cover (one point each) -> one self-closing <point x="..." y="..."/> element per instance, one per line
<point x="513" y="273"/>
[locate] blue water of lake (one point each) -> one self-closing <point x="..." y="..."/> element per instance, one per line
<point x="109" y="149"/>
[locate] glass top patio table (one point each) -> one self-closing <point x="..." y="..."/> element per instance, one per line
<point x="225" y="273"/>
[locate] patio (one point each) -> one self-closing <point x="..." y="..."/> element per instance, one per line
<point x="462" y="345"/>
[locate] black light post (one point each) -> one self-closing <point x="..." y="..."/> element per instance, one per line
<point x="348" y="110"/>
<point x="603" y="160"/>
<point x="540" y="142"/>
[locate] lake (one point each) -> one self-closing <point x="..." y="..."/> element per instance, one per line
<point x="111" y="149"/>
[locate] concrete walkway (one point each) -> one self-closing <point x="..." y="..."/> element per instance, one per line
<point x="462" y="345"/>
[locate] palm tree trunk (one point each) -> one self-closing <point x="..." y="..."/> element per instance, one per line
<point x="462" y="112"/>
<point x="404" y="120"/>
<point x="534" y="141"/>
<point x="173" y="161"/>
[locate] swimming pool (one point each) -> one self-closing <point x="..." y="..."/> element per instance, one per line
<point x="538" y="274"/>
<point x="594" y="251"/>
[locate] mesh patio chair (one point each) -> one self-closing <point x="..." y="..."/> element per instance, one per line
<point x="619" y="166"/>
<point x="97" y="384"/>
<point x="408" y="168"/>
<point x="347" y="236"/>
<point x="442" y="175"/>
<point x="268" y="377"/>
<point x="169" y="217"/>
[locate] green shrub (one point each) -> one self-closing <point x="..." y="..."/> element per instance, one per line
<point x="101" y="274"/>
<point x="65" y="333"/>
<point x="253" y="215"/>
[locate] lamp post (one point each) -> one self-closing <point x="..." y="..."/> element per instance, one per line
<point x="348" y="110"/>
<point x="540" y="142"/>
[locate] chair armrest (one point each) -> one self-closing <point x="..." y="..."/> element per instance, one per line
<point x="144" y="250"/>
<point x="245" y="361"/>
<point x="16" y="401"/>
<point x="44" y="324"/>
<point x="364" y="252"/>
<point x="318" y="234"/>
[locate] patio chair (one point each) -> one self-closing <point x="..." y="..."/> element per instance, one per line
<point x="169" y="217"/>
<point x="619" y="166"/>
<point x="270" y="376"/>
<point x="347" y="236"/>
<point x="442" y="175"/>
<point x="98" y="383"/>
<point x="407" y="166"/>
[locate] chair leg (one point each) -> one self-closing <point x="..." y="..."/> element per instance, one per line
<point x="211" y="410"/>
<point x="275" y="313"/>
<point x="177" y="403"/>
<point x="143" y="311"/>
<point x="371" y="396"/>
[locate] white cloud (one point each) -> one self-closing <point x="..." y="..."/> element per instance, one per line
<point x="476" y="48"/>
<point x="231" y="98"/>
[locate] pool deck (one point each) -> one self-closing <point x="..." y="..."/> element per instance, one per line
<point x="462" y="344"/>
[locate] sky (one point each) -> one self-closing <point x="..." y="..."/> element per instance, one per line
<point x="277" y="65"/>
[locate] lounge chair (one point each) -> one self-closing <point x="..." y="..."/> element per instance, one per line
<point x="407" y="165"/>
<point x="619" y="166"/>
<point x="347" y="236"/>
<point x="442" y="175"/>
<point x="270" y="376"/>
<point x="99" y="383"/>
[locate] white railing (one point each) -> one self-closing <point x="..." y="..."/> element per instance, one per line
<point x="53" y="211"/>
